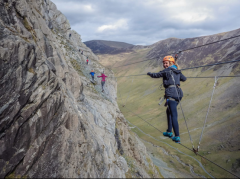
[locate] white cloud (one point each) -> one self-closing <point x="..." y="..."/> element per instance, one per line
<point x="88" y="8"/>
<point x="120" y="24"/>
<point x="188" y="11"/>
<point x="148" y="21"/>
<point x="192" y="17"/>
<point x="71" y="7"/>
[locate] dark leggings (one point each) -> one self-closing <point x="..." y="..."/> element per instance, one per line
<point x="93" y="78"/>
<point x="103" y="83"/>
<point x="172" y="116"/>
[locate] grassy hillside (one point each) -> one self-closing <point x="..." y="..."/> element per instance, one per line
<point x="108" y="47"/>
<point x="140" y="94"/>
<point x="112" y="43"/>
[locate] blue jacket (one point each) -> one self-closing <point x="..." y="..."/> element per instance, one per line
<point x="167" y="81"/>
<point x="92" y="73"/>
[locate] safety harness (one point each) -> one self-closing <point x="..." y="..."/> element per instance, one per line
<point x="169" y="98"/>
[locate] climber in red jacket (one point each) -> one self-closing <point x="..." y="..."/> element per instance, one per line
<point x="103" y="76"/>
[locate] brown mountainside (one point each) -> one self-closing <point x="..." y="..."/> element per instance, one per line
<point x="217" y="52"/>
<point x="108" y="47"/>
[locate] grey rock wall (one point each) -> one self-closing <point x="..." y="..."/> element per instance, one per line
<point x="53" y="121"/>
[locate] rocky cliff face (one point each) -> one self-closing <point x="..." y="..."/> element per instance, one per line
<point x="53" y="121"/>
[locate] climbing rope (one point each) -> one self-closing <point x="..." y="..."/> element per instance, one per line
<point x="143" y="119"/>
<point x="149" y="119"/>
<point x="232" y="76"/>
<point x="214" y="76"/>
<point x="214" y="86"/>
<point x="171" y="73"/>
<point x="183" y="50"/>
<point x="219" y="63"/>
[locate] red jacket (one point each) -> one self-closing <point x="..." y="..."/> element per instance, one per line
<point x="103" y="77"/>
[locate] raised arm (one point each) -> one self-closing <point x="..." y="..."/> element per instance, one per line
<point x="155" y="75"/>
<point x="182" y="77"/>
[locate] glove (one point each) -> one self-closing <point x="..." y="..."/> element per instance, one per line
<point x="149" y="73"/>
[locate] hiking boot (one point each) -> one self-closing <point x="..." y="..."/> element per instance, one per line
<point x="168" y="134"/>
<point x="176" y="139"/>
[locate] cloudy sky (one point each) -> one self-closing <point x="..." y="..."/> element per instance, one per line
<point x="145" y="22"/>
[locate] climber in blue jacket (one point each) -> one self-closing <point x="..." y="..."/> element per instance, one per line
<point x="173" y="94"/>
<point x="92" y="73"/>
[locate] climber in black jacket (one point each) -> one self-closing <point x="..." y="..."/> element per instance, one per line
<point x="173" y="93"/>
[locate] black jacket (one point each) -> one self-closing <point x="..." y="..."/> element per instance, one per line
<point x="167" y="81"/>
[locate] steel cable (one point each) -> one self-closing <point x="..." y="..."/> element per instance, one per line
<point x="214" y="86"/>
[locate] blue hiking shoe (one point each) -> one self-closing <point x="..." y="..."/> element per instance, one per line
<point x="168" y="134"/>
<point x="176" y="139"/>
